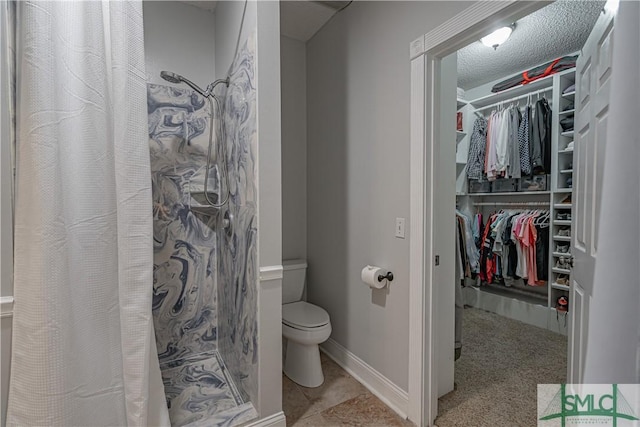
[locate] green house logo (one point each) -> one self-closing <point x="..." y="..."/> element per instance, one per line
<point x="595" y="404"/>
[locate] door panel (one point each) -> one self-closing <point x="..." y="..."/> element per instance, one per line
<point x="576" y="343"/>
<point x="598" y="152"/>
<point x="593" y="74"/>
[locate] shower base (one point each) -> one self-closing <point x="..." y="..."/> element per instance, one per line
<point x="200" y="392"/>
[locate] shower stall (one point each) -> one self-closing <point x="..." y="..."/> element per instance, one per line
<point x="203" y="145"/>
<point x="135" y="290"/>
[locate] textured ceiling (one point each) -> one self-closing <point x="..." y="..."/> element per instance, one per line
<point x="300" y="20"/>
<point x="553" y="31"/>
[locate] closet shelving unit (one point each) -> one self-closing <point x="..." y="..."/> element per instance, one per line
<point x="561" y="182"/>
<point x="536" y="305"/>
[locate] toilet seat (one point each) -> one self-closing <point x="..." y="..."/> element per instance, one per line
<point x="302" y="315"/>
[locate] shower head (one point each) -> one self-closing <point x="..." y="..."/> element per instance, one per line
<point x="171" y="77"/>
<point x="177" y="78"/>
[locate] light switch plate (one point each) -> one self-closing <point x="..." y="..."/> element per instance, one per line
<point x="400" y="228"/>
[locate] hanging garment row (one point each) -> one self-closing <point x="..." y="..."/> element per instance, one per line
<point x="515" y="245"/>
<point x="511" y="143"/>
<point x="467" y="244"/>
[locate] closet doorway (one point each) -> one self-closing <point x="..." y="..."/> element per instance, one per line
<point x="522" y="207"/>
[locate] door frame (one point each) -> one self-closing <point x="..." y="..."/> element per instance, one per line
<point x="426" y="53"/>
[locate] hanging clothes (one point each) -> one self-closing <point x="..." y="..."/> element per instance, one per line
<point x="493" y="133"/>
<point x="523" y="142"/>
<point x="511" y="143"/>
<point x="542" y="252"/>
<point x="515" y="246"/>
<point x="502" y="143"/>
<point x="541" y="138"/>
<point x="468" y="252"/>
<point x="477" y="145"/>
<point x="515" y="170"/>
<point x="477" y="229"/>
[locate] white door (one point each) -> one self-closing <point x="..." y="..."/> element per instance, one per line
<point x="593" y="82"/>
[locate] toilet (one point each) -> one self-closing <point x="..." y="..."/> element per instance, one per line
<point x="304" y="326"/>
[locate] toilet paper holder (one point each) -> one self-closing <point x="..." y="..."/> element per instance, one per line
<point x="388" y="276"/>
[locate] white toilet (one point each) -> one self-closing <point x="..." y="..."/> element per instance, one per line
<point x="304" y="326"/>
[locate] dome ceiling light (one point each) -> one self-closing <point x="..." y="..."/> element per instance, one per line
<point x="498" y="37"/>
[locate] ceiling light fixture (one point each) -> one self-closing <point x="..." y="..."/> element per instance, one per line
<point x="498" y="37"/>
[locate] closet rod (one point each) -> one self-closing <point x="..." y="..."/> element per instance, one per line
<point x="511" y="204"/>
<point x="506" y="101"/>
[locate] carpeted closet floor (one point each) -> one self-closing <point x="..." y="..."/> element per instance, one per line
<point x="496" y="377"/>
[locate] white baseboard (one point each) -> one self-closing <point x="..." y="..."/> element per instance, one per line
<point x="275" y="420"/>
<point x="392" y="395"/>
<point x="532" y="314"/>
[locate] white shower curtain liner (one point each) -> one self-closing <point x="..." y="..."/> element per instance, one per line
<point x="83" y="349"/>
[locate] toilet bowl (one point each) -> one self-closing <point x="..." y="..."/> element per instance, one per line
<point x="304" y="326"/>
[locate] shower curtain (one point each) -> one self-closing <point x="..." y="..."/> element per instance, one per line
<point x="83" y="351"/>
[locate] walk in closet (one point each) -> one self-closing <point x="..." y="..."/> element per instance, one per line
<point x="527" y="195"/>
<point x="514" y="158"/>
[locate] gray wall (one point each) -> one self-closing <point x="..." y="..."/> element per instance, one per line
<point x="358" y="87"/>
<point x="269" y="205"/>
<point x="293" y="77"/>
<point x="179" y="38"/>
<point x="227" y="23"/>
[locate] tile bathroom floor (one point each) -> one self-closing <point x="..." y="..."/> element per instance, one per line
<point x="340" y="401"/>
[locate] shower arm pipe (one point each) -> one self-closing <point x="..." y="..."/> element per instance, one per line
<point x="209" y="92"/>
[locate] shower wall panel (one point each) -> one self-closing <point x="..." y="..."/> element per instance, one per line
<point x="238" y="272"/>
<point x="185" y="261"/>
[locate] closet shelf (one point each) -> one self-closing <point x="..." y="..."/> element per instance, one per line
<point x="562" y="238"/>
<point x="560" y="287"/>
<point x="560" y="270"/>
<point x="569" y="94"/>
<point x="562" y="205"/>
<point x="561" y="222"/>
<point x="564" y="190"/>
<point x="565" y="151"/>
<point x="566" y="171"/>
<point x="511" y="193"/>
<point x="559" y="254"/>
<point x="562" y="113"/>
<point x="461" y="103"/>
<point x="509" y="94"/>
<point x="567" y="133"/>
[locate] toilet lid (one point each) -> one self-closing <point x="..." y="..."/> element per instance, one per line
<point x="304" y="314"/>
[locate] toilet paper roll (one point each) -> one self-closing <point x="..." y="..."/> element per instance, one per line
<point x="370" y="275"/>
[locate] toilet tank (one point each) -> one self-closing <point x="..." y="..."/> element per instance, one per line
<point x="293" y="279"/>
